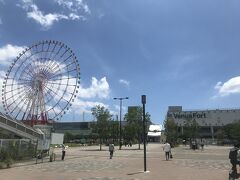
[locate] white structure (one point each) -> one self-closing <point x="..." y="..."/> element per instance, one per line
<point x="209" y="121"/>
<point x="154" y="132"/>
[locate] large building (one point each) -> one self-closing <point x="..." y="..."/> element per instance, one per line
<point x="83" y="128"/>
<point x="209" y="121"/>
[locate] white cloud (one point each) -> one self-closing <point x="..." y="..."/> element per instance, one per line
<point x="9" y="52"/>
<point x="218" y="85"/>
<point x="232" y="86"/>
<point x="46" y="20"/>
<point x="66" y="4"/>
<point x="99" y="88"/>
<point x="81" y="106"/>
<point x="74" y="5"/>
<point x="125" y="82"/>
<point x="74" y="16"/>
<point x="34" y="13"/>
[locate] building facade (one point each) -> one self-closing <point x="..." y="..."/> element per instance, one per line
<point x="83" y="128"/>
<point x="208" y="121"/>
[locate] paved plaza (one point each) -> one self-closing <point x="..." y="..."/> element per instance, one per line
<point x="88" y="163"/>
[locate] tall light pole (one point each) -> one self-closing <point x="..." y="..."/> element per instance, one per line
<point x="144" y="131"/>
<point x="120" y="122"/>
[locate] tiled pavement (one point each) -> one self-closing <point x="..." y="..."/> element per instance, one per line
<point x="87" y="163"/>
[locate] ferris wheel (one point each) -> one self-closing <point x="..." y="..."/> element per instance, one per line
<point x="41" y="83"/>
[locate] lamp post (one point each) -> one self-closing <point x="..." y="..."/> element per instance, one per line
<point x="120" y="122"/>
<point x="144" y="131"/>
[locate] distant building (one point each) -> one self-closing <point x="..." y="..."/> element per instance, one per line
<point x="83" y="128"/>
<point x="209" y="121"/>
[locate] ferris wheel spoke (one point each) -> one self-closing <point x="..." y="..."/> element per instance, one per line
<point x="64" y="53"/>
<point x="28" y="71"/>
<point x="67" y="65"/>
<point x="67" y="58"/>
<point x="37" y="48"/>
<point x="30" y="59"/>
<point x="51" y="99"/>
<point x="42" y="47"/>
<point x="56" y="94"/>
<point x="54" y="47"/>
<point x="24" y="80"/>
<point x="72" y="70"/>
<point x="17" y="106"/>
<point x="62" y="84"/>
<point x="17" y="89"/>
<point x="54" y="66"/>
<point x="71" y="77"/>
<point x="15" y="84"/>
<point x="50" y="90"/>
<point x="64" y="56"/>
<point x="54" y="112"/>
<point x="58" y="104"/>
<point x="52" y="51"/>
<point x="69" y="71"/>
<point x="10" y="104"/>
<point x="58" y="51"/>
<point x="19" y="94"/>
<point x="48" y="46"/>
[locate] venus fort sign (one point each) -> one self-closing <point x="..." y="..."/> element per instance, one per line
<point x="178" y="115"/>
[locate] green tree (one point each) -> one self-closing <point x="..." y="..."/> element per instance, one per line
<point x="101" y="127"/>
<point x="232" y="131"/>
<point x="114" y="130"/>
<point x="170" y="131"/>
<point x="134" y="128"/>
<point x="191" y="129"/>
<point x="68" y="137"/>
<point x="220" y="134"/>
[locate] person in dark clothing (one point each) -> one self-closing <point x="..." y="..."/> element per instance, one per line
<point x="111" y="150"/>
<point x="233" y="159"/>
<point x="63" y="151"/>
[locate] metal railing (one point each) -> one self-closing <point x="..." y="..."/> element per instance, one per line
<point x="18" y="128"/>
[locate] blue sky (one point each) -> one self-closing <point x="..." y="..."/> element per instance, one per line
<point x="175" y="52"/>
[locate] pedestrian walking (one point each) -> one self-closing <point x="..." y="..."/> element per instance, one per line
<point x="167" y="150"/>
<point x="111" y="150"/>
<point x="202" y="145"/>
<point x="63" y="151"/>
<point x="194" y="145"/>
<point x="233" y="156"/>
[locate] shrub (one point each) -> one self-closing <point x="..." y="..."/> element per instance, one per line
<point x="5" y="158"/>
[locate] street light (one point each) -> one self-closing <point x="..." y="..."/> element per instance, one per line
<point x="120" y="122"/>
<point x="144" y="131"/>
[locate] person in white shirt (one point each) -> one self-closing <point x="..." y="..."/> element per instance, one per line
<point x="167" y="150"/>
<point x="111" y="149"/>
